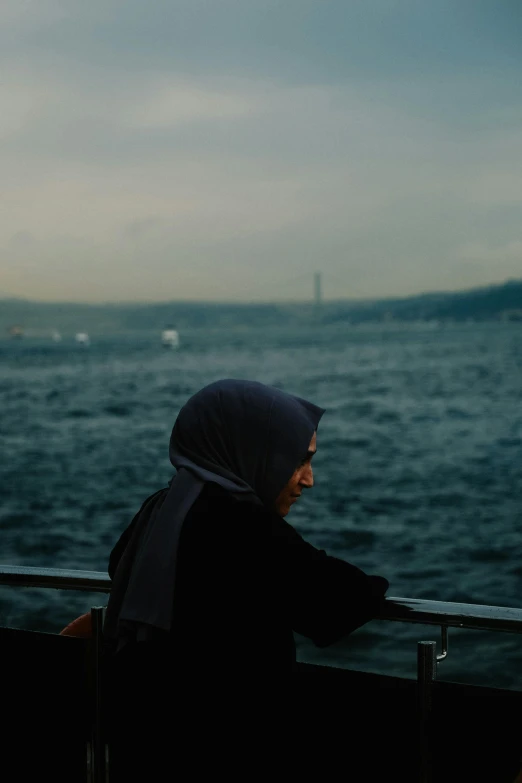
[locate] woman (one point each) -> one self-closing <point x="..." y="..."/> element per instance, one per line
<point x="209" y="581"/>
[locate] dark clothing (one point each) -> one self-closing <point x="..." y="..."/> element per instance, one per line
<point x="245" y="581"/>
<point x="208" y="698"/>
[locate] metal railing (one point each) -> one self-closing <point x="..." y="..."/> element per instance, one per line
<point x="59" y="578"/>
<point x="410" y="610"/>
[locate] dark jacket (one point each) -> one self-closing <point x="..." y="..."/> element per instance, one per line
<point x="245" y="581"/>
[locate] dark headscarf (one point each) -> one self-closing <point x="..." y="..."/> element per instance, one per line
<point x="242" y="435"/>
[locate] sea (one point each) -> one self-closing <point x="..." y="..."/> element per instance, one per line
<point x="418" y="474"/>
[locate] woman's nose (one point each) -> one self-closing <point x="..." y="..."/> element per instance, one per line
<point x="307" y="478"/>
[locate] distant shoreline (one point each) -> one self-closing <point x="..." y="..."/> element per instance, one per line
<point x="494" y="303"/>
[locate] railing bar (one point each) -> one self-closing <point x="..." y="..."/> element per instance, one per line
<point x="58" y="578"/>
<point x="409" y="610"/>
<point x="453" y="614"/>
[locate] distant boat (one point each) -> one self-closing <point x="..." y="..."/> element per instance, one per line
<point x="82" y="338"/>
<point x="15" y="331"/>
<point x="170" y="338"/>
<point x="56" y="336"/>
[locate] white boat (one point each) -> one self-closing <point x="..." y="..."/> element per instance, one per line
<point x="82" y="338"/>
<point x="170" y="338"/>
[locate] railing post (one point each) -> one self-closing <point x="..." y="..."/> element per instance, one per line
<point x="98" y="749"/>
<point x="426" y="675"/>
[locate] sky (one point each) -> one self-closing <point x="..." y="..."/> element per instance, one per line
<point x="227" y="150"/>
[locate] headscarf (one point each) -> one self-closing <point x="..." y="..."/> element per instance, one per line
<point x="242" y="435"/>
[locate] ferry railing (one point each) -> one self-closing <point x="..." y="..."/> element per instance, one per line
<point x="411" y="610"/>
<point x="59" y="578"/>
<point x="443" y="614"/>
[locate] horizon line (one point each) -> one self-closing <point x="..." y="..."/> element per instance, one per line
<point x="247" y="302"/>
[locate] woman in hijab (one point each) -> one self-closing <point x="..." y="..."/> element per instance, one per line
<point x="209" y="582"/>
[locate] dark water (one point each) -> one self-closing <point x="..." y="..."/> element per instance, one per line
<point x="418" y="473"/>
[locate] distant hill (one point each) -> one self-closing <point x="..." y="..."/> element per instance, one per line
<point x="492" y="303"/>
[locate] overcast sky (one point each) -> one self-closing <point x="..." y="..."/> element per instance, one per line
<point x="228" y="149"/>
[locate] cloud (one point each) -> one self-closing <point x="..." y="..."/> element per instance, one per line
<point x="24" y="16"/>
<point x="22" y="103"/>
<point x="170" y="105"/>
<point x="480" y="254"/>
<point x="198" y="136"/>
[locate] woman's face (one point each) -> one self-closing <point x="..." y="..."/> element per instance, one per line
<point x="301" y="477"/>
